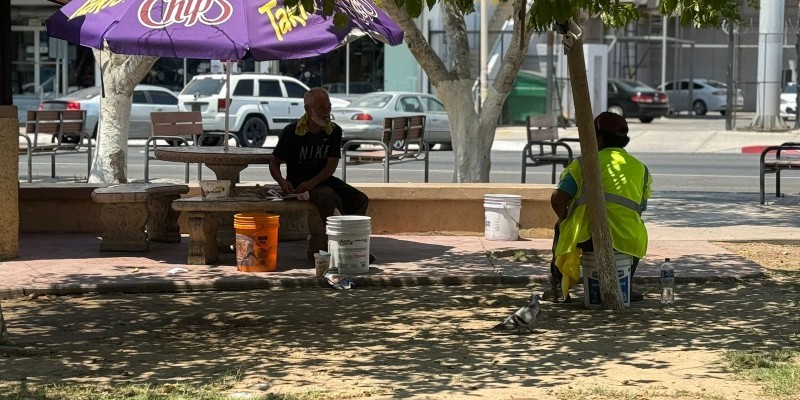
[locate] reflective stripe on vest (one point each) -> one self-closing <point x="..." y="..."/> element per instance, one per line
<point x="613" y="197"/>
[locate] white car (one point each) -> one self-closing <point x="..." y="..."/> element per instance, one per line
<point x="146" y="99"/>
<point x="260" y="104"/>
<point x="707" y="95"/>
<point x="789" y="101"/>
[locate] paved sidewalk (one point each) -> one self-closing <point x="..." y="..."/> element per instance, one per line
<point x="72" y="263"/>
<point x="669" y="135"/>
<point x="682" y="226"/>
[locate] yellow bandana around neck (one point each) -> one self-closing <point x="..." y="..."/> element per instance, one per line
<point x="302" y="127"/>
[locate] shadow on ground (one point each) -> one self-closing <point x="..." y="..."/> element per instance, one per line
<point x="410" y="341"/>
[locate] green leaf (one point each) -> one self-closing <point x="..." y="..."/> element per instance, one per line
<point x="308" y="5"/>
<point x="327" y="8"/>
<point x="340" y="21"/>
<point x="431" y="3"/>
<point x="414" y="8"/>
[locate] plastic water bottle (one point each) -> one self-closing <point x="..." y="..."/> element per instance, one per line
<point x="667" y="282"/>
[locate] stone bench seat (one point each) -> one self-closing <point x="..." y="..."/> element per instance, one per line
<point x="210" y="223"/>
<point x="135" y="213"/>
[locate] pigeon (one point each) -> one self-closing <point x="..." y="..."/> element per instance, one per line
<point x="522" y="318"/>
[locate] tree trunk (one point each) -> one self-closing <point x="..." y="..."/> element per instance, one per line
<point x="472" y="133"/>
<point x="121" y="74"/>
<point x="610" y="292"/>
<point x="3" y="330"/>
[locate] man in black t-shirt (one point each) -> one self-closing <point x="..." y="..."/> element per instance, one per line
<point x="310" y="148"/>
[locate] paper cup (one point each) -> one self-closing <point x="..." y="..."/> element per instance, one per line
<point x="321" y="263"/>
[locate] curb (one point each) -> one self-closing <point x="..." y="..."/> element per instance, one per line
<point x="759" y="149"/>
<point x="304" y="283"/>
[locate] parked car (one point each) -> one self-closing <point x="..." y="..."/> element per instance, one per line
<point x="363" y="118"/>
<point x="634" y="99"/>
<point x="789" y="100"/>
<point x="146" y="99"/>
<point x="707" y="95"/>
<point x="260" y="104"/>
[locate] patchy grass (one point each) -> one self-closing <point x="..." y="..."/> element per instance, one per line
<point x="778" y="371"/>
<point x="521" y="255"/>
<point x="601" y="393"/>
<point x="155" y="392"/>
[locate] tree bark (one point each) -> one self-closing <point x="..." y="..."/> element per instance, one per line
<point x="120" y="73"/>
<point x="3" y="331"/>
<point x="610" y="292"/>
<point x="472" y="132"/>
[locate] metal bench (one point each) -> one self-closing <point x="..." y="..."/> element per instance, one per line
<point x="543" y="145"/>
<point x="777" y="164"/>
<point x="63" y="132"/>
<point x="210" y="223"/>
<point x="135" y="213"/>
<point x="397" y="138"/>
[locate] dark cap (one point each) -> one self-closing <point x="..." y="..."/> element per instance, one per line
<point x="611" y="123"/>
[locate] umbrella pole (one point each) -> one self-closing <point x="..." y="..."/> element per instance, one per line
<point x="227" y="102"/>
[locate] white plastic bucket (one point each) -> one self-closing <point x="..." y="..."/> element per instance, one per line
<point x="501" y="216"/>
<point x="591" y="280"/>
<point x="348" y="243"/>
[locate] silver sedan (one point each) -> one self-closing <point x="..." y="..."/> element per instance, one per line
<point x="363" y="118"/>
<point x="146" y="99"/>
<point x="707" y="95"/>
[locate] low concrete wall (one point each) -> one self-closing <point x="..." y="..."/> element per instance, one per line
<point x="58" y="207"/>
<point x="394" y="207"/>
<point x="452" y="207"/>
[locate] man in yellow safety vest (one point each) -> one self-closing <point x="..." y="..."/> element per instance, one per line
<point x="626" y="185"/>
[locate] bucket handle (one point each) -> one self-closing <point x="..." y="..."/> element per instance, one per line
<point x="509" y="216"/>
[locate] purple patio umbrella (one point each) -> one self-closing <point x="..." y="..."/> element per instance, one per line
<point x="218" y="29"/>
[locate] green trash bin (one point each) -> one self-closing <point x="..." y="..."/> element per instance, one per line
<point x="527" y="97"/>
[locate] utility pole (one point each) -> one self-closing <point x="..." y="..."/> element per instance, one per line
<point x="770" y="62"/>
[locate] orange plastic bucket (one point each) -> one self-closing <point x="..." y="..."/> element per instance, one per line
<point x="256" y="242"/>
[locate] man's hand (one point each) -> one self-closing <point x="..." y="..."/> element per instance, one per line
<point x="305" y="186"/>
<point x="286" y="186"/>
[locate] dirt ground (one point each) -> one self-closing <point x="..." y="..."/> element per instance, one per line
<point x="414" y="342"/>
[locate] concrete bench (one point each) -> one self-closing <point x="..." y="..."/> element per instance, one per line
<point x="135" y="213"/>
<point x="210" y="223"/>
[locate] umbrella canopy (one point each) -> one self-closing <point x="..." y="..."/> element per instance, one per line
<point x="218" y="29"/>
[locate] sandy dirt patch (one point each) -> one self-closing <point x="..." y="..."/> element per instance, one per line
<point x="414" y="342"/>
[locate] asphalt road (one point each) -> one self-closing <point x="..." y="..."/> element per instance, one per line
<point x="692" y="172"/>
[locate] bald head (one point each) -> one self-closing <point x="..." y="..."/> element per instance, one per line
<point x="316" y="97"/>
<point x="318" y="107"/>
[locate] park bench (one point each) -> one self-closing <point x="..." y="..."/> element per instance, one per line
<point x="55" y="132"/>
<point x="783" y="157"/>
<point x="178" y="128"/>
<point x="543" y="145"/>
<point x="402" y="140"/>
<point x="135" y="213"/>
<point x="210" y="223"/>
